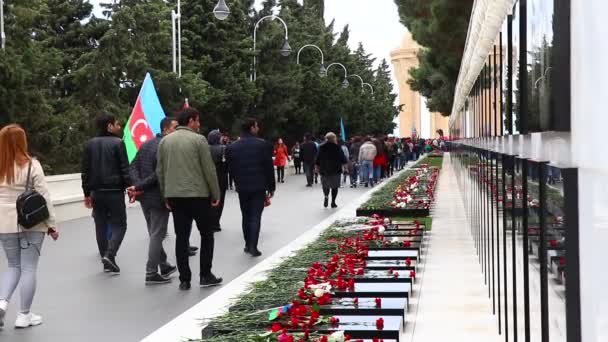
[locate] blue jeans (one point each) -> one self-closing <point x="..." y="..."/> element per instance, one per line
<point x="377" y="173"/>
<point x="366" y="170"/>
<point x="22" y="253"/>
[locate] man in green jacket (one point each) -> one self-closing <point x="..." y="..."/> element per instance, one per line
<point x="188" y="182"/>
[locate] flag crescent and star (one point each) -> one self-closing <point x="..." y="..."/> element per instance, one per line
<point x="144" y="122"/>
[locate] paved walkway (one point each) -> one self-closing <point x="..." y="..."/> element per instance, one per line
<point x="453" y="302"/>
<point x="80" y="303"/>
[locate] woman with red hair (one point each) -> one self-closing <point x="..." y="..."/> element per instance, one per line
<point x="22" y="247"/>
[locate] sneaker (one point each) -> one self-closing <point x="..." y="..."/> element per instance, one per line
<point x="210" y="280"/>
<point x="3" y="308"/>
<point x="155" y="279"/>
<point x="325" y="202"/>
<point x="27" y="320"/>
<point x="106" y="268"/>
<point x="167" y="271"/>
<point x="309" y="185"/>
<point x="334" y="205"/>
<point x="184" y="285"/>
<point x="110" y="263"/>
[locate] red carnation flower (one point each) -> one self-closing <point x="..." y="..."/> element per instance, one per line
<point x="334" y="320"/>
<point x="380" y="324"/>
<point x="276" y="327"/>
<point x="378" y="302"/>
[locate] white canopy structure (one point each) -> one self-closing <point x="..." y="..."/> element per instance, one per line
<point x="487" y="18"/>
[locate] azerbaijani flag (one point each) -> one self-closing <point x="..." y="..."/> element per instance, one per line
<point x="144" y="122"/>
<point x="342" y="130"/>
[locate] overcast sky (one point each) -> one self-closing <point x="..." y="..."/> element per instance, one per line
<point x="375" y="23"/>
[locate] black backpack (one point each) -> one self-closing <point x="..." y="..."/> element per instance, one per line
<point x="31" y="206"/>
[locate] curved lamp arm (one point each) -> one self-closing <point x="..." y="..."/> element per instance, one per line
<point x="542" y="77"/>
<point x="310" y="45"/>
<point x="255" y="31"/>
<point x="340" y="64"/>
<point x="370" y="87"/>
<point x="360" y="79"/>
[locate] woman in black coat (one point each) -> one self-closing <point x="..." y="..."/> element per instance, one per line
<point x="329" y="163"/>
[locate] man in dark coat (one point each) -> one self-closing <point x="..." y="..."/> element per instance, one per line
<point x="143" y="174"/>
<point x="354" y="159"/>
<point x="105" y="177"/>
<point x="308" y="153"/>
<point x="250" y="161"/>
<point x="218" y="153"/>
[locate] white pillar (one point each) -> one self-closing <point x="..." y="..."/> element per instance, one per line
<point x="589" y="118"/>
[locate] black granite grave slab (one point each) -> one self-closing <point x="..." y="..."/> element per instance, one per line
<point x="366" y="306"/>
<point x="393" y="212"/>
<point x="365" y="327"/>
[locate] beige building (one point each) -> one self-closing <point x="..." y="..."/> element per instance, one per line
<point x="405" y="58"/>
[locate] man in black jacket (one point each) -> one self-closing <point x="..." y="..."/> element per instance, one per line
<point x="308" y="153"/>
<point x="143" y="174"/>
<point x="250" y="161"/>
<point x="105" y="176"/>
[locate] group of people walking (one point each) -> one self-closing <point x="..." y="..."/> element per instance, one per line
<point x="179" y="173"/>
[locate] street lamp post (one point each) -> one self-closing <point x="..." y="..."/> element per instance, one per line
<point x="176" y="26"/>
<point x="345" y="82"/>
<point x="173" y="40"/>
<point x="370" y="87"/>
<point x="322" y="70"/>
<point x="2" y="34"/>
<point x="285" y="50"/>
<point x="360" y="79"/>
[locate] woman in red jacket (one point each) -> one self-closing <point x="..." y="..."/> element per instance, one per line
<point x="281" y="157"/>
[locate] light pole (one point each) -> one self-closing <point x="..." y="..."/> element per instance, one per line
<point x="173" y="40"/>
<point x="360" y="79"/>
<point x="345" y="82"/>
<point x="2" y="34"/>
<point x="176" y="26"/>
<point x="370" y="87"/>
<point x="322" y="70"/>
<point x="285" y="50"/>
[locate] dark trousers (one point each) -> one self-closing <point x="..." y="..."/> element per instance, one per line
<point x="297" y="163"/>
<point x="184" y="211"/>
<point x="157" y="219"/>
<point x="217" y="211"/>
<point x="109" y="209"/>
<point x="252" y="206"/>
<point x="280" y="173"/>
<point x="354" y="172"/>
<point x="309" y="170"/>
<point x="334" y="194"/>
